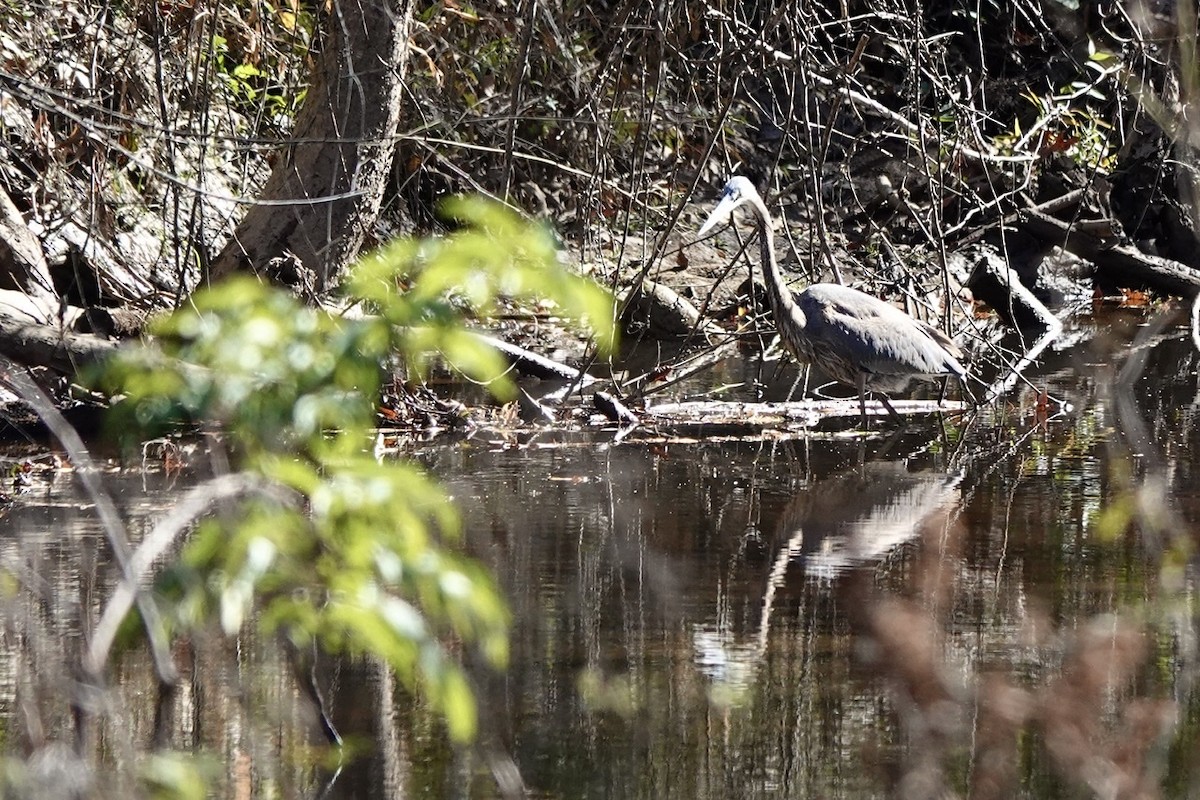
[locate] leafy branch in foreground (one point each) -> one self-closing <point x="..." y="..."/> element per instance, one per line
<point x="362" y="561"/>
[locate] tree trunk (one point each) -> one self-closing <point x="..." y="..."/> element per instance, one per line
<point x="324" y="194"/>
<point x="22" y="262"/>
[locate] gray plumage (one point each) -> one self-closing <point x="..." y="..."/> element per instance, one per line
<point x="858" y="339"/>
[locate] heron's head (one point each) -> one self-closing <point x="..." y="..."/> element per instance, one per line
<point x="737" y="191"/>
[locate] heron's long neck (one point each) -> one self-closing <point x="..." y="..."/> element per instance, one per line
<point x="780" y="296"/>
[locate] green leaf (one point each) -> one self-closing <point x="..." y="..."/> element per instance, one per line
<point x="458" y="705"/>
<point x="178" y="776"/>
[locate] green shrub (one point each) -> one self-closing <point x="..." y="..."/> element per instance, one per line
<point x="345" y="551"/>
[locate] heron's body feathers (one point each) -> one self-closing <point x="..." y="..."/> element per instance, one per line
<point x="863" y="334"/>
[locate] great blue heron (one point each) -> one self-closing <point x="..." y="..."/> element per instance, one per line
<point x="859" y="340"/>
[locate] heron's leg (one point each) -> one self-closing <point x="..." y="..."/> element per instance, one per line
<point x="802" y="375"/>
<point x="862" y="398"/>
<point x="888" y="405"/>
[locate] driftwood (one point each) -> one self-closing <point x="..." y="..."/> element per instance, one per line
<point x="1120" y="264"/>
<point x="534" y="410"/>
<point x="996" y="284"/>
<point x="614" y="409"/>
<point x="793" y="414"/>
<point x="529" y="363"/>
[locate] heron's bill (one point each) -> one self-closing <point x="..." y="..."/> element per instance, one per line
<point x="721" y="213"/>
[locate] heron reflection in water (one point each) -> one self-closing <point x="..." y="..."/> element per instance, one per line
<point x="859" y="340"/>
<point x="865" y="515"/>
<point x="854" y="518"/>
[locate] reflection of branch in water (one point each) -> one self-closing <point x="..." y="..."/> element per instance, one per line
<point x="1161" y="526"/>
<point x="837" y="523"/>
<point x="1010" y="379"/>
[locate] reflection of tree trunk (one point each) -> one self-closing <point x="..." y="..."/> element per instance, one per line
<point x="325" y="191"/>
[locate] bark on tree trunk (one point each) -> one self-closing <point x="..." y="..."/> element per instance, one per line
<point x="324" y="193"/>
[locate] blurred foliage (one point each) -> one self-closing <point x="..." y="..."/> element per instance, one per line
<point x="497" y="255"/>
<point x="361" y="560"/>
<point x="178" y="776"/>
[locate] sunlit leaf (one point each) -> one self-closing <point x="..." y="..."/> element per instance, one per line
<point x="458" y="705"/>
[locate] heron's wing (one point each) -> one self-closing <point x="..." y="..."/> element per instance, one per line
<point x="877" y="337"/>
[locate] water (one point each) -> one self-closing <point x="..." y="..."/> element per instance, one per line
<point x="1000" y="605"/>
<point x="648" y="574"/>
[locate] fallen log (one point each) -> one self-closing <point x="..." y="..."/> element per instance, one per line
<point x="49" y="346"/>
<point x="997" y="284"/>
<point x="1117" y="263"/>
<point x="792" y="414"/>
<point x="608" y="405"/>
<point x="529" y="363"/>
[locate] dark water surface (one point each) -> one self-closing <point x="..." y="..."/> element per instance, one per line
<point x="1000" y="606"/>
